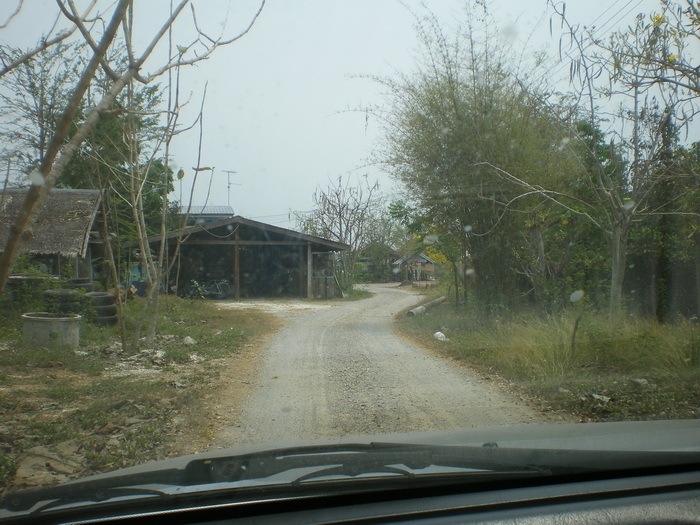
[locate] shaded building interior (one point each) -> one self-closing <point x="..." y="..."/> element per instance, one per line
<point x="256" y="259"/>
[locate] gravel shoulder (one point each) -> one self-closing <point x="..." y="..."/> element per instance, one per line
<point x="338" y="369"/>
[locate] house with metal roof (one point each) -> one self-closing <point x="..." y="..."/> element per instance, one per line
<point x="256" y="259"/>
<point x="415" y="267"/>
<point x="203" y="214"/>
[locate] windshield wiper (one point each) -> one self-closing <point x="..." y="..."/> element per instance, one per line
<point x="88" y="496"/>
<point x="343" y="460"/>
<point x="296" y="467"/>
<point x="97" y="491"/>
<point x="300" y="463"/>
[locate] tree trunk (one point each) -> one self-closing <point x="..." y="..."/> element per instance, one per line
<point x="618" y="241"/>
<point x="455" y="272"/>
<point x="119" y="299"/>
<point x="697" y="272"/>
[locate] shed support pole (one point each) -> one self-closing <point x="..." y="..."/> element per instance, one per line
<point x="309" y="271"/>
<point x="236" y="270"/>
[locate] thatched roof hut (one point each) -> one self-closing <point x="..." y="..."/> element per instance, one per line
<point x="62" y="225"/>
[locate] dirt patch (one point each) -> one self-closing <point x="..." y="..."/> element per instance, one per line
<point x="221" y="406"/>
<point x="283" y="308"/>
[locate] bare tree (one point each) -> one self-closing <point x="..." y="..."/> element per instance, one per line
<point x="344" y="213"/>
<point x="64" y="140"/>
<point x="657" y="48"/>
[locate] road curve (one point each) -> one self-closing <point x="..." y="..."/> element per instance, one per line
<point x="340" y="370"/>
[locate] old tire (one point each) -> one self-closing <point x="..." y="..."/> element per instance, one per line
<point x="108" y="320"/>
<point x="100" y="298"/>
<point x="107" y="310"/>
<point x="62" y="295"/>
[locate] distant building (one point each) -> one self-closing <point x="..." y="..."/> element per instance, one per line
<point x="416" y="267"/>
<point x="376" y="263"/>
<point x="205" y="214"/>
<point x="255" y="259"/>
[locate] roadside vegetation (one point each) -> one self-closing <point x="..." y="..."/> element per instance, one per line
<point x="565" y="210"/>
<point x="578" y="361"/>
<point x="357" y="293"/>
<point x="66" y="413"/>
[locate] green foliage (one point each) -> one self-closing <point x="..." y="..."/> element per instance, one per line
<point x="455" y="127"/>
<point x="524" y="192"/>
<point x="24" y="293"/>
<point x="35" y="95"/>
<point x="117" y="159"/>
<point x="358" y="293"/>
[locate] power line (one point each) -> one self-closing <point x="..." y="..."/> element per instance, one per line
<point x="595" y="30"/>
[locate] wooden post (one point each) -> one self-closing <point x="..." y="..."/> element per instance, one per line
<point x="309" y="271"/>
<point x="236" y="269"/>
<point x="300" y="274"/>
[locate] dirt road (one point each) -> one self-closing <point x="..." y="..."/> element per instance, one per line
<point x="338" y="369"/>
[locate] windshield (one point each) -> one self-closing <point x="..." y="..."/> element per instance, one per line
<point x="256" y="225"/>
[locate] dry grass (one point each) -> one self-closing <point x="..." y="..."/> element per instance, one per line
<point x="122" y="409"/>
<point x="637" y="368"/>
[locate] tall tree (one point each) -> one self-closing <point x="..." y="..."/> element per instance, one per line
<point x="610" y="73"/>
<point x="33" y="96"/>
<point x="462" y="112"/>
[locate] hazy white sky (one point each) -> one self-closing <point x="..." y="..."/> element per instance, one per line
<point x="279" y="102"/>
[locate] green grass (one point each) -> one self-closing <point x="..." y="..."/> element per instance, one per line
<point x="647" y="370"/>
<point x="47" y="358"/>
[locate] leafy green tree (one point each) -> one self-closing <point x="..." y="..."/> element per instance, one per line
<point x="384" y="237"/>
<point x="107" y="161"/>
<point x="71" y="131"/>
<point x="464" y="112"/>
<point x="33" y="97"/>
<point x="615" y="194"/>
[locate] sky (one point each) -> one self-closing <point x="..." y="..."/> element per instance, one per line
<point x="281" y="113"/>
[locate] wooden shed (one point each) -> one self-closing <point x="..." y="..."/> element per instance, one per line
<point x="62" y="230"/>
<point x="257" y="259"/>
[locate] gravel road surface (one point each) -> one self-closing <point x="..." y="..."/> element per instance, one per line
<point x="338" y="369"/>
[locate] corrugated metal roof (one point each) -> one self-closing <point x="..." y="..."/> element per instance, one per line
<point x="223" y="229"/>
<point x="414" y="258"/>
<point x="208" y="210"/>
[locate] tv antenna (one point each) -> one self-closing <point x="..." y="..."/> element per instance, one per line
<point x="229" y="184"/>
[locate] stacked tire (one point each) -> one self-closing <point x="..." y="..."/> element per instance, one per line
<point x="63" y="301"/>
<point x="85" y="284"/>
<point x="103" y="308"/>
